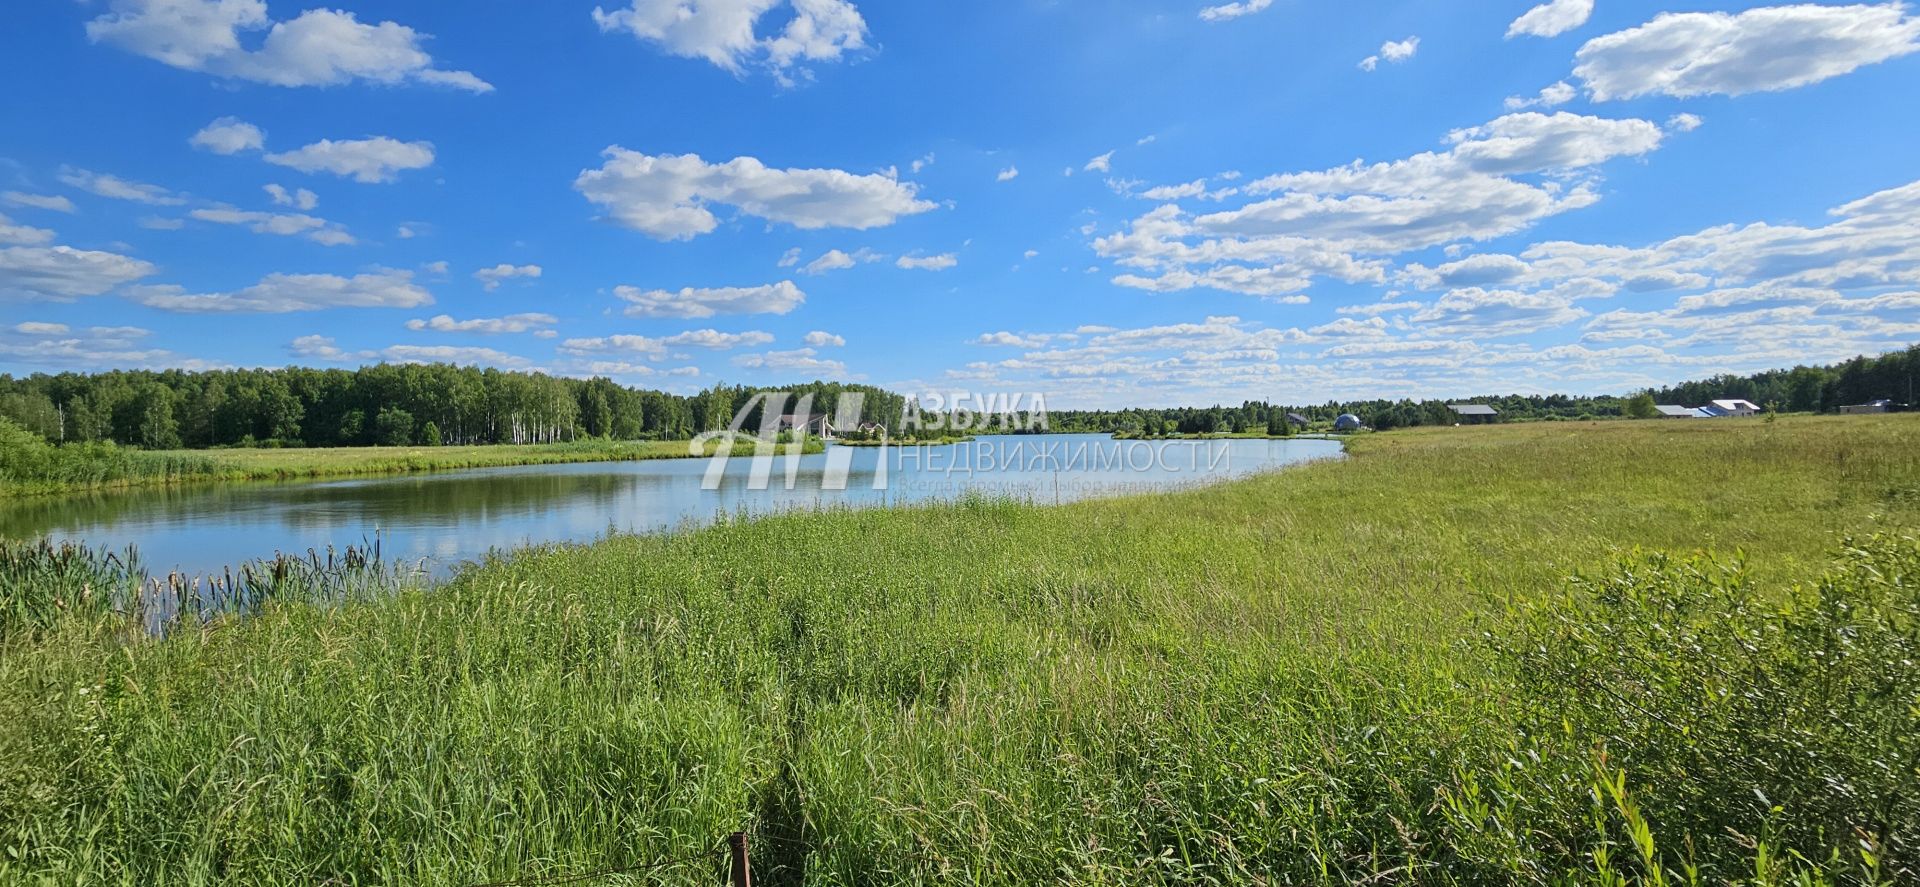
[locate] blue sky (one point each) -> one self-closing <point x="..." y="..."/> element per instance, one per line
<point x="1122" y="203"/>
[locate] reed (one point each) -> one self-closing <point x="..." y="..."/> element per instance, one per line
<point x="1362" y="670"/>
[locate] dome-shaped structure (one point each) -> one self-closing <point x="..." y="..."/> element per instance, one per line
<point x="1347" y="422"/>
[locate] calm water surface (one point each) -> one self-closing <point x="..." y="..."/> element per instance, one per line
<point x="450" y="517"/>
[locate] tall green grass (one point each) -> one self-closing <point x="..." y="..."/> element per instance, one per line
<point x="1329" y="674"/>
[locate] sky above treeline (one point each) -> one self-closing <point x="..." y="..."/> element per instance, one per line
<point x="1123" y="203"/>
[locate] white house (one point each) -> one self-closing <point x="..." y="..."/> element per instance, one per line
<point x="1736" y="407"/>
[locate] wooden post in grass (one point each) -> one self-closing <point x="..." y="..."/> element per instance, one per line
<point x="742" y="877"/>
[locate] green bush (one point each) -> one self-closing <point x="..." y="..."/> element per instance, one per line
<point x="1728" y="721"/>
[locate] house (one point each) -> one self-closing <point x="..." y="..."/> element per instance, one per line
<point x="1878" y="406"/>
<point x="812" y="426"/>
<point x="1670" y="411"/>
<point x="1473" y="413"/>
<point x="1297" y="419"/>
<point x="1735" y="407"/>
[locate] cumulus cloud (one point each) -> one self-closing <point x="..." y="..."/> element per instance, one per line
<point x="727" y="34"/>
<point x="695" y="302"/>
<point x="1760" y="50"/>
<point x="22" y="235"/>
<point x="282" y="293"/>
<point x="284" y="224"/>
<point x="1550" y="97"/>
<point x="301" y="199"/>
<point x="62" y="272"/>
<point x="822" y="339"/>
<point x="531" y="322"/>
<point x="800" y="360"/>
<point x="1493" y="180"/>
<point x="116" y="188"/>
<point x="1102" y="163"/>
<point x="659" y="348"/>
<point x="1229" y="11"/>
<point x="53" y="202"/>
<point x="1392" y="52"/>
<point x="1551" y="19"/>
<point x="319" y="47"/>
<point x="491" y="278"/>
<point x="371" y="160"/>
<point x="940" y="262"/>
<point x="835" y="260"/>
<point x="668" y="196"/>
<point x="94" y="349"/>
<point x="1008" y="174"/>
<point x="229" y="135"/>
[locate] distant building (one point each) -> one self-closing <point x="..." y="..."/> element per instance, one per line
<point x="1735" y="407"/>
<point x="1878" y="406"/>
<point x="1473" y="413"/>
<point x="1297" y="419"/>
<point x="1348" y="422"/>
<point x="814" y="426"/>
<point x="1669" y="411"/>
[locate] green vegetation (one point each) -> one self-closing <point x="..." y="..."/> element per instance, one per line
<point x="1891" y="376"/>
<point x="383" y="405"/>
<point x="1370" y="669"/>
<point x="31" y="466"/>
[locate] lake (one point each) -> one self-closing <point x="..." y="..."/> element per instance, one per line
<point x="449" y="517"/>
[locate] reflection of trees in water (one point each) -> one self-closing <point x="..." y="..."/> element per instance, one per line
<point x="310" y="505"/>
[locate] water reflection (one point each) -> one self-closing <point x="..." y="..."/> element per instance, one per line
<point x="454" y="516"/>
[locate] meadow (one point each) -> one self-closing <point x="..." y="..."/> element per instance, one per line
<point x="29" y="466"/>
<point x="1567" y="653"/>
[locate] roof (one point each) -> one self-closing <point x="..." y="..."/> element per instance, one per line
<point x="1296" y="418"/>
<point x="1737" y="405"/>
<point x="1472" y="409"/>
<point x="1676" y="412"/>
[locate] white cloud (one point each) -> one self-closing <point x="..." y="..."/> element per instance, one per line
<point x="1013" y="340"/>
<point x="62" y="272"/>
<point x="1102" y="163"/>
<point x="229" y="135"/>
<point x="22" y="235"/>
<point x="157" y="223"/>
<point x="1392" y="52"/>
<point x="301" y="199"/>
<point x="54" y="202"/>
<point x="1759" y="50"/>
<point x="117" y="188"/>
<point x="1551" y="19"/>
<point x="1032" y="253"/>
<point x="652" y="348"/>
<point x="281" y="293"/>
<point x="667" y="196"/>
<point x="94" y="349"/>
<point x="801" y="360"/>
<point x="940" y="262"/>
<point x="1550" y="97"/>
<point x="1228" y="11"/>
<point x="724" y="32"/>
<point x="1684" y="122"/>
<point x="822" y="339"/>
<point x="491" y="278"/>
<point x="1493" y="180"/>
<point x="284" y="224"/>
<point x="371" y="160"/>
<point x="320" y="47"/>
<point x="1008" y="174"/>
<point x="692" y="302"/>
<point x="531" y="322"/>
<point x="455" y="354"/>
<point x="32" y="328"/>
<point x="789" y="258"/>
<point x="921" y="163"/>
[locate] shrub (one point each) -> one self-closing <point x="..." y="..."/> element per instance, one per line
<point x="1731" y="721"/>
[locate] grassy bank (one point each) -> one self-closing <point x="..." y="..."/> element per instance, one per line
<point x="50" y="470"/>
<point x="1366" y="669"/>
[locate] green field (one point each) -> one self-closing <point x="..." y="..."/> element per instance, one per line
<point x="1374" y="669"/>
<point x="91" y="467"/>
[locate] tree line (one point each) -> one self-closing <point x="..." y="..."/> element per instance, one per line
<point x="435" y="404"/>
<point x="385" y="404"/>
<point x="1890" y="376"/>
